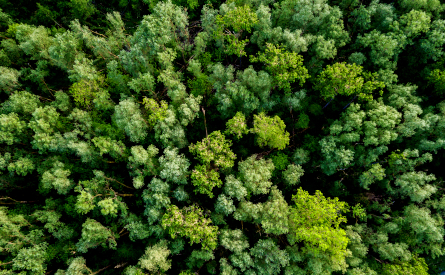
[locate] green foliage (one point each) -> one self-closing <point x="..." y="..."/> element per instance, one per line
<point x="8" y="79"/>
<point x="142" y="163"/>
<point x="75" y="266"/>
<point x="270" y="131"/>
<point x="347" y="79"/>
<point x="234" y="188"/>
<point x="303" y="121"/>
<point x="93" y="190"/>
<point x="94" y="234"/>
<point x="205" y="180"/>
<point x="311" y="22"/>
<point x="233" y="240"/>
<point x="169" y="131"/>
<point x="84" y="92"/>
<point x="31" y="259"/>
<point x="237" y="126"/>
<point x="57" y="178"/>
<point x="286" y="67"/>
<point x="432" y="5"/>
<point x="157" y="111"/>
<point x="101" y="147"/>
<point x="250" y="90"/>
<point x="21" y="102"/>
<point x="214" y="150"/>
<point x="115" y="148"/>
<point x="192" y="223"/>
<point x="358" y="212"/>
<point x="82" y="9"/>
<point x="274" y="217"/>
<point x="174" y="167"/>
<point x="199" y="257"/>
<point x="292" y="174"/>
<point x="280" y="160"/>
<point x="128" y="117"/>
<point x="144" y="83"/>
<point x="300" y="156"/>
<point x="375" y="173"/>
<point x="335" y="157"/>
<point x="11" y="128"/>
<point x="268" y="258"/>
<point x="315" y="220"/>
<point x="384" y="47"/>
<point x="415" y="266"/>
<point x="224" y="205"/>
<point x="155" y="258"/>
<point x="255" y="175"/>
<point x="437" y="78"/>
<point x="238" y="19"/>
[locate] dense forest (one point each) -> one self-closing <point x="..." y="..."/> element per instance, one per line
<point x="204" y="137"/>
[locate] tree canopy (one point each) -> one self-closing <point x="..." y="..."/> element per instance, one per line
<point x="222" y="137"/>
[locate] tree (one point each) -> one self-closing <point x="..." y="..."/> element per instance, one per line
<point x="270" y="131"/>
<point x="99" y="137"/>
<point x="214" y="150"/>
<point x="169" y="131"/>
<point x="255" y="174"/>
<point x="76" y="266"/>
<point x="268" y="258"/>
<point x="315" y="220"/>
<point x="143" y="163"/>
<point x="9" y="79"/>
<point x="94" y="234"/>
<point x="234" y="240"/>
<point x="275" y="214"/>
<point x="11" y="128"/>
<point x="31" y="259"/>
<point x="250" y="90"/>
<point x="57" y="178"/>
<point x="237" y="126"/>
<point x="190" y="222"/>
<point x="286" y="67"/>
<point x="320" y="23"/>
<point x="205" y="180"/>
<point x="128" y="117"/>
<point x="239" y="19"/>
<point x="416" y="266"/>
<point x="174" y="167"/>
<point x="292" y="174"/>
<point x="347" y="79"/>
<point x="155" y="258"/>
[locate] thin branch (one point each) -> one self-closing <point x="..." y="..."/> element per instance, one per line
<point x="205" y="123"/>
<point x="125" y="195"/>
<point x="15" y="201"/>
<point x="119" y="182"/>
<point x="121" y="265"/>
<point x="97" y="33"/>
<point x="102" y="269"/>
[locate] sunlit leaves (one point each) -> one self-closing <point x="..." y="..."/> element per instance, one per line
<point x="214" y="149"/>
<point x="316" y="220"/>
<point x="237" y="126"/>
<point x="286" y="67"/>
<point x="346" y="79"/>
<point x="94" y="234"/>
<point x="205" y="180"/>
<point x="192" y="223"/>
<point x="255" y="175"/>
<point x="271" y="131"/>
